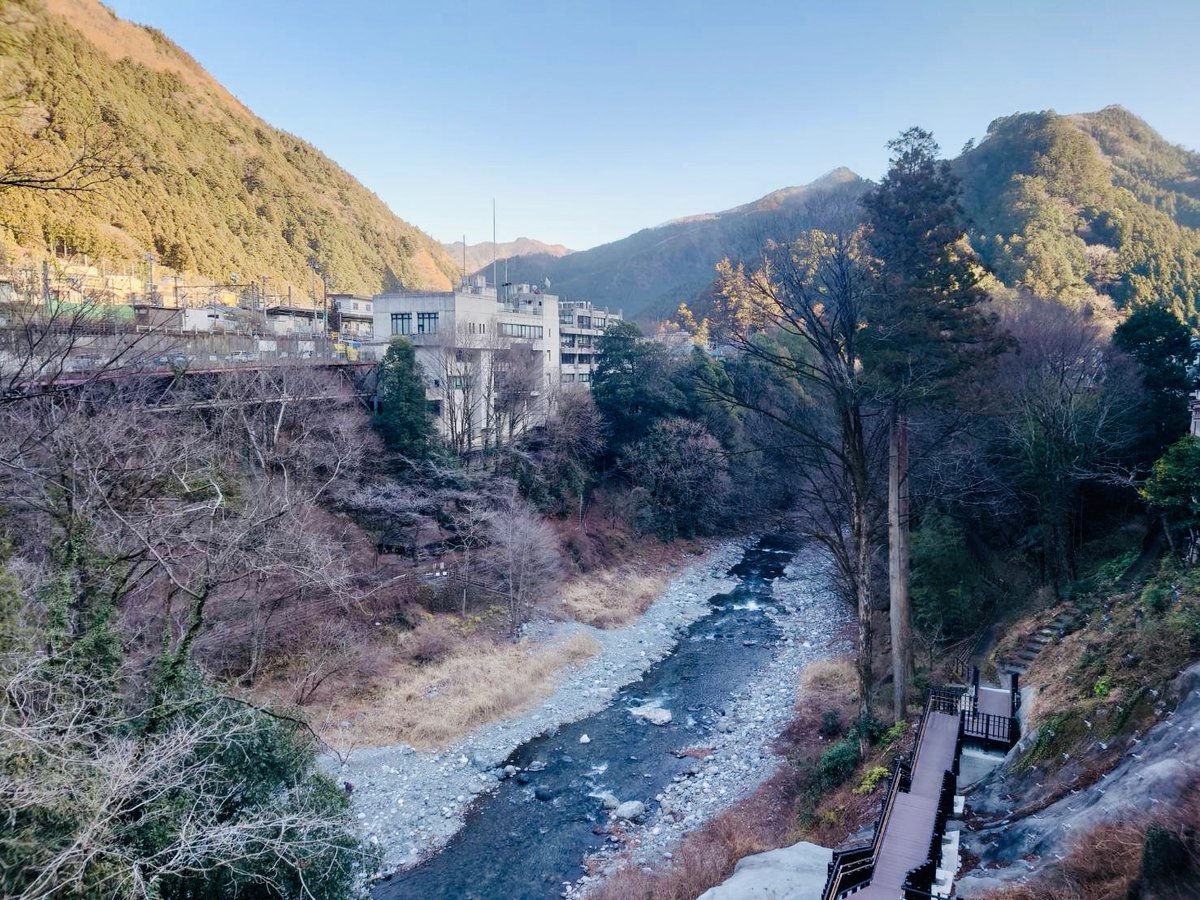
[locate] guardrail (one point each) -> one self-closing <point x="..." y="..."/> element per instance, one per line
<point x="853" y="867"/>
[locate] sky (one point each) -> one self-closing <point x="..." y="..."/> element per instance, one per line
<point x="588" y="121"/>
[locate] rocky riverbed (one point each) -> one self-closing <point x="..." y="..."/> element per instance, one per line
<point x="411" y="802"/>
<point x="812" y="625"/>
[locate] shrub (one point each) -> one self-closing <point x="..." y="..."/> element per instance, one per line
<point x="870" y="780"/>
<point x="1165" y="856"/>
<point x="426" y="645"/>
<point x="1102" y="688"/>
<point x="831" y="724"/>
<point x="838" y="763"/>
<point x="893" y="734"/>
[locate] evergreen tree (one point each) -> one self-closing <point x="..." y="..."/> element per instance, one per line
<point x="925" y="327"/>
<point x="403" y="420"/>
<point x="632" y="384"/>
<point x="1161" y="344"/>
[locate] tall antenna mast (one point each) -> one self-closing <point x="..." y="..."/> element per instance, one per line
<point x="465" y="272"/>
<point x="495" y="283"/>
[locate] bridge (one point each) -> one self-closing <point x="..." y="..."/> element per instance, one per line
<point x="909" y="856"/>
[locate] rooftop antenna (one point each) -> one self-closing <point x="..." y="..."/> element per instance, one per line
<point x="465" y="272"/>
<point x="495" y="283"/>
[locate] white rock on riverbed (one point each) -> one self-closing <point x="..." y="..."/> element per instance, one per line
<point x="655" y="715"/>
<point x="790" y="873"/>
<point x="630" y="809"/>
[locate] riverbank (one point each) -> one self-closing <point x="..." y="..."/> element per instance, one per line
<point x="740" y="754"/>
<point x="410" y="802"/>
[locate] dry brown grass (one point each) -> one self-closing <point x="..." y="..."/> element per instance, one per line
<point x="478" y="682"/>
<point x="827" y="677"/>
<point x="1105" y="863"/>
<point x="611" y="598"/>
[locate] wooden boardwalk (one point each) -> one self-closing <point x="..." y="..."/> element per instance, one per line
<point x="904" y="855"/>
<point x="904" y="844"/>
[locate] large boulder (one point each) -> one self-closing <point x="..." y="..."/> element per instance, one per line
<point x="797" y="872"/>
<point x="631" y="809"/>
<point x="655" y="715"/>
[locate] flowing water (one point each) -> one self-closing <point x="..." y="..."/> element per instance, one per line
<point x="528" y="839"/>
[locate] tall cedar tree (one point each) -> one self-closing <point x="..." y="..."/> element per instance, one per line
<point x="927" y="327"/>
<point x="1162" y="345"/>
<point x="403" y="421"/>
<point x="632" y="384"/>
<point x="798" y="318"/>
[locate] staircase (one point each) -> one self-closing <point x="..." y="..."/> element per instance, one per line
<point x="1019" y="661"/>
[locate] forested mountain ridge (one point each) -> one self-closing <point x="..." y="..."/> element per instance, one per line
<point x="1094" y="207"/>
<point x="192" y="175"/>
<point x="1086" y="208"/>
<point x="650" y="272"/>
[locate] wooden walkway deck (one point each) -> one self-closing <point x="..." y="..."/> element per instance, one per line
<point x="904" y="855"/>
<point x="905" y="840"/>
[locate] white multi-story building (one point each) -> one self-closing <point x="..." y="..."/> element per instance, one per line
<point x="581" y="326"/>
<point x="490" y="359"/>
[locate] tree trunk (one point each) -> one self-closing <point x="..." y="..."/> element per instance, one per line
<point x="862" y="541"/>
<point x="898" y="560"/>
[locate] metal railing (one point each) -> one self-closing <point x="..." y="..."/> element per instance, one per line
<point x="852" y="868"/>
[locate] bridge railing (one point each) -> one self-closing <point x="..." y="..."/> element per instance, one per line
<point x="853" y="867"/>
<point x="918" y="883"/>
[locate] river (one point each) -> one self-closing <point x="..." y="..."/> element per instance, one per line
<point x="528" y="838"/>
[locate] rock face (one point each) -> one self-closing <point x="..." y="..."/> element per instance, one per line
<point x="631" y="809"/>
<point x="1154" y="767"/>
<point x="791" y="873"/>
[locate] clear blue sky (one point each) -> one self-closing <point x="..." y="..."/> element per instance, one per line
<point x="588" y="121"/>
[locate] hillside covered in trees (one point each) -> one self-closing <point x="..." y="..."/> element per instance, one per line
<point x="1086" y="208"/>
<point x="186" y="171"/>
<point x="649" y="273"/>
<point x="1092" y="208"/>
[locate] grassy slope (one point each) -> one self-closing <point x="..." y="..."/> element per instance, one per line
<point x="211" y="188"/>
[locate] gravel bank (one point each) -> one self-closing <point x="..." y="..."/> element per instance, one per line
<point x="410" y="802"/>
<point x="812" y="623"/>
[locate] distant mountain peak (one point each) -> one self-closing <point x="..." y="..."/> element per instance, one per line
<point x="480" y="255"/>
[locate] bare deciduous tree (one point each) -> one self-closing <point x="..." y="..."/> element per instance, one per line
<point x="524" y="557"/>
<point x="799" y="316"/>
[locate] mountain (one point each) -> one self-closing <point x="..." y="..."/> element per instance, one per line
<point x="649" y="273"/>
<point x="480" y="256"/>
<point x="1092" y="208"/>
<point x="200" y="181"/>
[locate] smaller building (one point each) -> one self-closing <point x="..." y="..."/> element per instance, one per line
<point x="288" y="319"/>
<point x="355" y="316"/>
<point x="580" y="328"/>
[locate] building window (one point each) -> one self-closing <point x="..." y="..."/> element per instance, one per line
<point x="568" y="359"/>
<point x="585" y="321"/>
<point x="567" y="378"/>
<point x="427" y="323"/>
<point x="458" y="382"/>
<point x="529" y="332"/>
<point x="584" y="376"/>
<point x="401" y="323"/>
